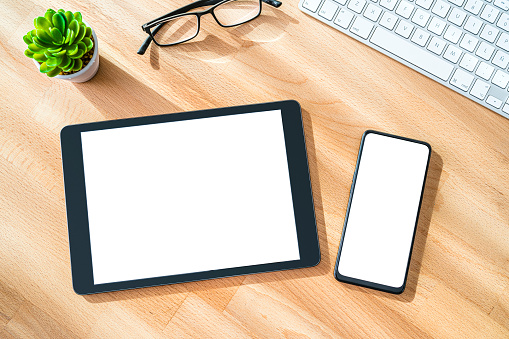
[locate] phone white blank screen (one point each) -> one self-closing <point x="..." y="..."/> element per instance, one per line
<point x="188" y="196"/>
<point x="383" y="211"/>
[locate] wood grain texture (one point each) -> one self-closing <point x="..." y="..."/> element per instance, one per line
<point x="459" y="275"/>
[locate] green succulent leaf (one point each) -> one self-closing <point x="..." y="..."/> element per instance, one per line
<point x="81" y="34"/>
<point x="59" y="22"/>
<point x="40" y="57"/>
<point x="43" y="36"/>
<point x="79" y="54"/>
<point x="54" y="50"/>
<point x="72" y="49"/>
<point x="34" y="48"/>
<point x="81" y="45"/>
<point x="88" y="34"/>
<point x="75" y="27"/>
<point x="66" y="61"/>
<point x="77" y="16"/>
<point x="29" y="53"/>
<point x="78" y="64"/>
<point x="48" y="54"/>
<point x="54" y="72"/>
<point x="70" y="66"/>
<point x="68" y="36"/>
<point x="89" y="43"/>
<point x="49" y="14"/>
<point x="61" y="53"/>
<point x="52" y="62"/>
<point x="27" y="39"/>
<point x="42" y="23"/>
<point x="45" y="68"/>
<point x="41" y="44"/>
<point x="69" y="16"/>
<point x="57" y="35"/>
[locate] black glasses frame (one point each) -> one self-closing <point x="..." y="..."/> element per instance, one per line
<point x="158" y="23"/>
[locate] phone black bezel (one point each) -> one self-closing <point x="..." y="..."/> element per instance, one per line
<point x="76" y="206"/>
<point x="369" y="284"/>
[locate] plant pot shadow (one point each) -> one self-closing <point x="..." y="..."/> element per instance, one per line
<point x="118" y="95"/>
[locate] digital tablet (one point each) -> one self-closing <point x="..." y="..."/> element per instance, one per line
<point x="188" y="196"/>
<point x="383" y="212"/>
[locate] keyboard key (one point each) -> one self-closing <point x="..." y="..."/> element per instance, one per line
<point x="372" y="12"/>
<point x="469" y="62"/>
<point x="436" y="26"/>
<point x="489" y="33"/>
<point x="328" y="9"/>
<point x="344" y="18"/>
<point x="473" y="25"/>
<point x="485" y="51"/>
<point x="420" y="37"/>
<point x="404" y="29"/>
<point x="490" y="13"/>
<point x="457" y="17"/>
<point x="312" y="5"/>
<point x="501" y="79"/>
<point x="441" y="8"/>
<point x="420" y="17"/>
<point x="357" y="5"/>
<point x="457" y="2"/>
<point x="503" y="22"/>
<point x="388" y="20"/>
<point x="484" y="71"/>
<point x="452" y="34"/>
<point x="503" y="4"/>
<point x="389" y="4"/>
<point x="452" y="54"/>
<point x="405" y="9"/>
<point x="480" y="89"/>
<point x="468" y="42"/>
<point x="412" y="53"/>
<point x="506" y="108"/>
<point x="501" y="59"/>
<point x="474" y="6"/>
<point x="361" y="27"/>
<point x="462" y="80"/>
<point x="426" y="4"/>
<point x="436" y="45"/>
<point x="503" y="41"/>
<point x="495" y="102"/>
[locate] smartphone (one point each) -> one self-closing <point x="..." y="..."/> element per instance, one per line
<point x="383" y="211"/>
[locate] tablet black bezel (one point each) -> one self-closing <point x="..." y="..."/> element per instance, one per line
<point x="369" y="284"/>
<point x="76" y="206"/>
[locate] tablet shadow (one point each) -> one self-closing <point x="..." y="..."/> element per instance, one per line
<point x="421" y="235"/>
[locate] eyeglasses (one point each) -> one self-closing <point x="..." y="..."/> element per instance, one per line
<point x="179" y="26"/>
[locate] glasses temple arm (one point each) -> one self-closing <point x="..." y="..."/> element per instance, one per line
<point x="199" y="3"/>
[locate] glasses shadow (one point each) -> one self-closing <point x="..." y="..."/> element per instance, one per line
<point x="219" y="45"/>
<point x="421" y="235"/>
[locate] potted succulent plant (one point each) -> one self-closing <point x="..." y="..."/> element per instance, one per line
<point x="63" y="46"/>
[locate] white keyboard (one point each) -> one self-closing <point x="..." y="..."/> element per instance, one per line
<point x="462" y="44"/>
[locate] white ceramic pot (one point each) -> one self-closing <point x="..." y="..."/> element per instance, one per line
<point x="88" y="71"/>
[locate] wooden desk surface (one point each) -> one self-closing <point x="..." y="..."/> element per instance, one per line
<point x="459" y="276"/>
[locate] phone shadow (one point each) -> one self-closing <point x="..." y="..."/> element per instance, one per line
<point x="221" y="284"/>
<point x="421" y="235"/>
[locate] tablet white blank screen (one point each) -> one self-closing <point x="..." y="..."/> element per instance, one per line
<point x="383" y="210"/>
<point x="188" y="196"/>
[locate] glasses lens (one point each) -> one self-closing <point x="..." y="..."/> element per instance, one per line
<point x="237" y="12"/>
<point x="177" y="30"/>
